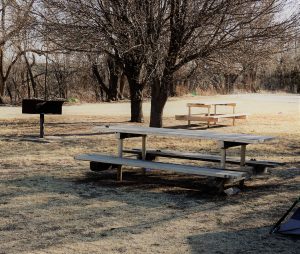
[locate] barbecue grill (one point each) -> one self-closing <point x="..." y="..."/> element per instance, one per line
<point x="42" y="107"/>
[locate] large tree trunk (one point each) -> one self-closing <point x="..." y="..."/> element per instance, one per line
<point x="229" y="82"/>
<point x="113" y="79"/>
<point x="30" y="74"/>
<point x="2" y="89"/>
<point x="99" y="79"/>
<point x="132" y="71"/>
<point x="2" y="78"/>
<point x="159" y="96"/>
<point x="122" y="85"/>
<point x="136" y="101"/>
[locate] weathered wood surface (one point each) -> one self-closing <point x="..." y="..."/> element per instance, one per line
<point x="201" y="157"/>
<point x="211" y="118"/>
<point x="180" y="133"/>
<point x="208" y="104"/>
<point x="187" y="169"/>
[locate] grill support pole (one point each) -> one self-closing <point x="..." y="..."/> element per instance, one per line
<point x="42" y="120"/>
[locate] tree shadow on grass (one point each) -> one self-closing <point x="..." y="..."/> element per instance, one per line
<point x="84" y="207"/>
<point x="190" y="186"/>
<point x="87" y="123"/>
<point x="80" y="212"/>
<point x="174" y="184"/>
<point x="251" y="240"/>
<point x="50" y="138"/>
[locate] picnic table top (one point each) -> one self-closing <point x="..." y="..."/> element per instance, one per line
<point x="195" y="134"/>
<point x="212" y="103"/>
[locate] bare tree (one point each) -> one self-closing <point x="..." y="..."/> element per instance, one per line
<point x="120" y="29"/>
<point x="14" y="17"/>
<point x="153" y="40"/>
<point x="203" y="30"/>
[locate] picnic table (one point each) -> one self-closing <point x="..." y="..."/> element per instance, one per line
<point x="210" y="116"/>
<point x="146" y="156"/>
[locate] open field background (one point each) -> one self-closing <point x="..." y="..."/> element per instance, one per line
<point x="50" y="203"/>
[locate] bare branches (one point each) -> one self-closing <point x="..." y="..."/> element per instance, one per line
<point x="151" y="41"/>
<point x="14" y="19"/>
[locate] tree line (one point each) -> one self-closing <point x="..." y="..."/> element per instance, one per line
<point x="109" y="50"/>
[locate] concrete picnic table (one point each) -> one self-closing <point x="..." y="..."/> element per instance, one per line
<point x="224" y="140"/>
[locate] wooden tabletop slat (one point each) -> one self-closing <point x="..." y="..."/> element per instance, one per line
<point x="195" y="134"/>
<point x="221" y="103"/>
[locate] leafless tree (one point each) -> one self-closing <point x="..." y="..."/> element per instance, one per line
<point x="14" y="17"/>
<point x="205" y="30"/>
<point x="119" y="29"/>
<point x="153" y="40"/>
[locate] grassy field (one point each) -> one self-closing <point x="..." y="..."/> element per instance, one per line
<point x="50" y="203"/>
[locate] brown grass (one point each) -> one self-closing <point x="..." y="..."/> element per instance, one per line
<point x="50" y="203"/>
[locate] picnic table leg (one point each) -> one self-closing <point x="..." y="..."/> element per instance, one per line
<point x="189" y="115"/>
<point x="208" y="114"/>
<point x="215" y="112"/>
<point x="144" y="151"/>
<point x="120" y="154"/>
<point x="223" y="157"/>
<point x="243" y="155"/>
<point x="220" y="184"/>
<point x="223" y="153"/>
<point x="233" y="112"/>
<point x="242" y="163"/>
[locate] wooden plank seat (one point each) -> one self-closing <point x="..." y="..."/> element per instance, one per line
<point x="230" y="175"/>
<point x="258" y="166"/>
<point x="210" y="104"/>
<point x="210" y="118"/>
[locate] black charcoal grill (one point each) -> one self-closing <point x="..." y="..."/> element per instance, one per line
<point x="42" y="107"/>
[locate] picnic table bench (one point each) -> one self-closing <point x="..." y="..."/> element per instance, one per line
<point x="255" y="167"/>
<point x="221" y="173"/>
<point x="210" y="117"/>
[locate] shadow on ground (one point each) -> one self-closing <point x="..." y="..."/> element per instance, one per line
<point x="84" y="207"/>
<point x="254" y="240"/>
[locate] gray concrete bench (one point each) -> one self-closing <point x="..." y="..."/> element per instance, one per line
<point x="226" y="176"/>
<point x="259" y="167"/>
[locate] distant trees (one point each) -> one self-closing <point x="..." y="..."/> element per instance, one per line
<point x="147" y="44"/>
<point x="283" y="71"/>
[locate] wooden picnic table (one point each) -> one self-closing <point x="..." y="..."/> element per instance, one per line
<point x="210" y="116"/>
<point x="224" y="140"/>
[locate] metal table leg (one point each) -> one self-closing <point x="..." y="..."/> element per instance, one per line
<point x="223" y="154"/>
<point x="144" y="138"/>
<point x="189" y="115"/>
<point x="243" y="155"/>
<point x="120" y="154"/>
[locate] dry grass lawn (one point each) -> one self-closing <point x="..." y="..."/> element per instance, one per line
<point x="50" y="203"/>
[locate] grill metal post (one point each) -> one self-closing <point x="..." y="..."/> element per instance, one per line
<point x="42" y="121"/>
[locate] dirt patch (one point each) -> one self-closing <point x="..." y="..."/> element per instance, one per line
<point x="50" y="203"/>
